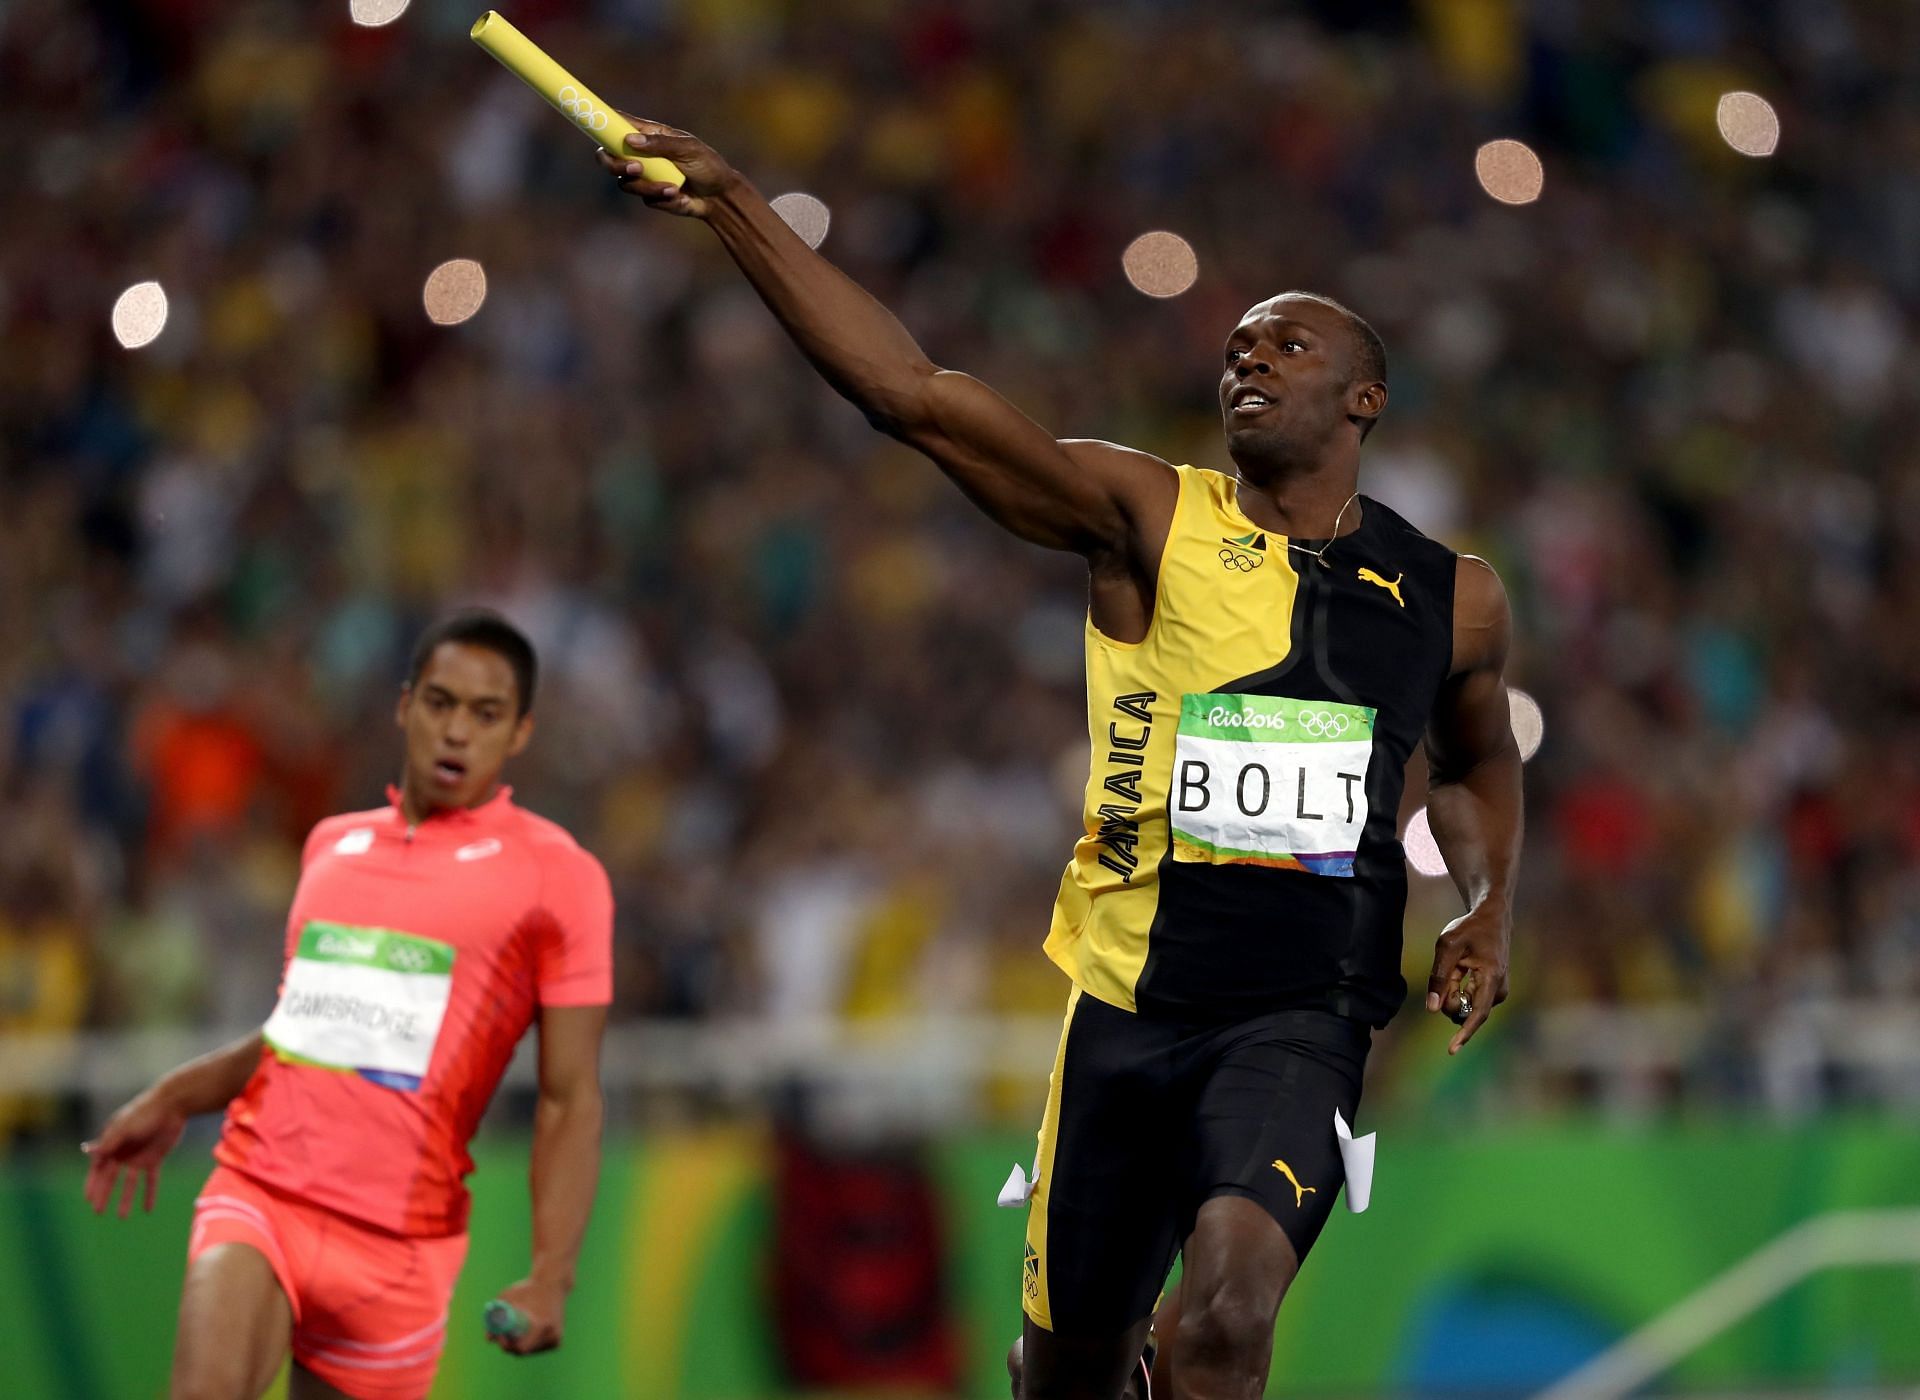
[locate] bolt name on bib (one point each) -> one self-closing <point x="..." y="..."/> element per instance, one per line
<point x="1270" y="780"/>
<point x="367" y="1001"/>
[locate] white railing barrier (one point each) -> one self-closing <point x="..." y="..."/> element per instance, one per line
<point x="1844" y="1239"/>
<point x="1628" y="1055"/>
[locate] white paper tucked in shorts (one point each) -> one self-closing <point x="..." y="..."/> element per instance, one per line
<point x="1018" y="1189"/>
<point x="1356" y="1155"/>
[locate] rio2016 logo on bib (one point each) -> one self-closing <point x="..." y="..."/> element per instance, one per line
<point x="575" y="104"/>
<point x="1269" y="780"/>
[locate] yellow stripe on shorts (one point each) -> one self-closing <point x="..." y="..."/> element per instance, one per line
<point x="1033" y="1271"/>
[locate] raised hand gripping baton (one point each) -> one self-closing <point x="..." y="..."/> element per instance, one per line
<point x="530" y="64"/>
<point x="505" y="1320"/>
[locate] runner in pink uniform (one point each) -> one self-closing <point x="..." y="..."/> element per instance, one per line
<point x="425" y="938"/>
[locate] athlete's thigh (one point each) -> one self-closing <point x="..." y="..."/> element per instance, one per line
<point x="1264" y="1124"/>
<point x="1105" y="1215"/>
<point x="235" y="1324"/>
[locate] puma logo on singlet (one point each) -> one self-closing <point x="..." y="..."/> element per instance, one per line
<point x="1300" y="1193"/>
<point x="1369" y="576"/>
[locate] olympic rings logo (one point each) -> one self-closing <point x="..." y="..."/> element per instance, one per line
<point x="1234" y="559"/>
<point x="576" y="105"/>
<point x="408" y="959"/>
<point x="1323" y="724"/>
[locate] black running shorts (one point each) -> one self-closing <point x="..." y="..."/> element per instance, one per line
<point x="1148" y="1118"/>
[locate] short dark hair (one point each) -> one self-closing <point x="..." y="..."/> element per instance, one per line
<point x="1369" y="351"/>
<point x="482" y="627"/>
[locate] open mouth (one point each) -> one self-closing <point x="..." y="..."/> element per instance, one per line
<point x="1247" y="405"/>
<point x="449" y="772"/>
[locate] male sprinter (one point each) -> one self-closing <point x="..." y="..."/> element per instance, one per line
<point x="1263" y="651"/>
<point x="425" y="937"/>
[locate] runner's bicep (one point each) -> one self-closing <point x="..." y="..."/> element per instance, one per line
<point x="1471" y="723"/>
<point x="1060" y="495"/>
<point x="570" y="1049"/>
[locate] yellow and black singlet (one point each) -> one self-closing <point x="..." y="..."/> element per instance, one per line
<point x="1239" y="853"/>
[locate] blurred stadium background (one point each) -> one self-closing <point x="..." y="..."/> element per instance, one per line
<point x="824" y="726"/>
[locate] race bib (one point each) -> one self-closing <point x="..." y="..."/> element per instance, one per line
<point x="1268" y="780"/>
<point x="366" y="1000"/>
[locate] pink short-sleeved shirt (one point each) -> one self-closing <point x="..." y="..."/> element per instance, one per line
<point x="416" y="959"/>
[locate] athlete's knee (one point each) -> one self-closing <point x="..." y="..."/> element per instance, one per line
<point x="1228" y="1334"/>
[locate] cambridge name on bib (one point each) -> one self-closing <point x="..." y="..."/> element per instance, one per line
<point x="365" y="1000"/>
<point x="1269" y="780"/>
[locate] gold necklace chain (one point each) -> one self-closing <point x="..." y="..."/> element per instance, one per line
<point x="1321" y="553"/>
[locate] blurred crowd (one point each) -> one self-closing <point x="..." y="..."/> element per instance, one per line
<point x="824" y="724"/>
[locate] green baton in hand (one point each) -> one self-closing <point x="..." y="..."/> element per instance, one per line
<point x="504" y="1320"/>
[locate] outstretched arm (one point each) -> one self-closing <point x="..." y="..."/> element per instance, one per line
<point x="1091" y="498"/>
<point x="1474" y="802"/>
<point x="138" y="1137"/>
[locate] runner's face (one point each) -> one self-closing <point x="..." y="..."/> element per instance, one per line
<point x="462" y="725"/>
<point x="1283" y="384"/>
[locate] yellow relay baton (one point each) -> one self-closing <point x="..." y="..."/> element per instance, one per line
<point x="530" y="64"/>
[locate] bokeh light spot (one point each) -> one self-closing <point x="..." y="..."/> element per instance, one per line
<point x="374" y="13"/>
<point x="140" y="314"/>
<point x="1423" y="852"/>
<point x="454" y="291"/>
<point x="1161" y="264"/>
<point x="1510" y="171"/>
<point x="1529" y="724"/>
<point x="805" y="215"/>
<point x="1748" y="123"/>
